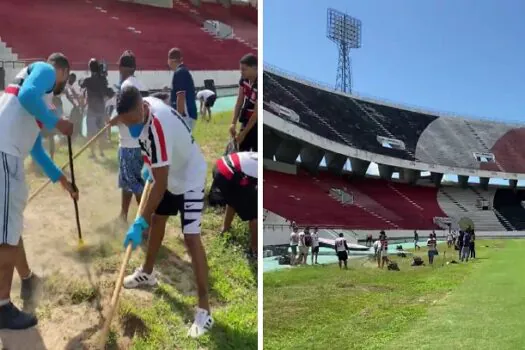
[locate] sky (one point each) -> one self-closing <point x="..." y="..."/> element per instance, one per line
<point x="465" y="57"/>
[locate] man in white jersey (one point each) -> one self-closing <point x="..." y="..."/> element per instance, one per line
<point x="236" y="178"/>
<point x="303" y="248"/>
<point x="341" y="248"/>
<point x="129" y="155"/>
<point x="315" y="245"/>
<point x="177" y="169"/>
<point x="294" y="241"/>
<point x="24" y="112"/>
<point x="207" y="99"/>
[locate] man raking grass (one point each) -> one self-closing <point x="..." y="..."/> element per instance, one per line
<point x="24" y="111"/>
<point x="177" y="169"/>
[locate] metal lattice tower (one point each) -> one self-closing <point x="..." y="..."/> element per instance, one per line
<point x="345" y="31"/>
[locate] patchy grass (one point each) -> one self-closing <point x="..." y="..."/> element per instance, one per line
<point x="475" y="305"/>
<point x="158" y="318"/>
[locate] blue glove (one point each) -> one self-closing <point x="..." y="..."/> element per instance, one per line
<point x="146" y="175"/>
<point x="134" y="234"/>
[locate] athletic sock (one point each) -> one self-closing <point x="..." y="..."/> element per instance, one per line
<point x="4" y="302"/>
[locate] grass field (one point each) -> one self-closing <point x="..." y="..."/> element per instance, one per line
<point x="475" y="305"/>
<point x="78" y="285"/>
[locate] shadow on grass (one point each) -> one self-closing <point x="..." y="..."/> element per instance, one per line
<point x="224" y="337"/>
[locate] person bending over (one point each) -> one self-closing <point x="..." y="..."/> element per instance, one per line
<point x="236" y="178"/>
<point x="207" y="100"/>
<point x="177" y="169"/>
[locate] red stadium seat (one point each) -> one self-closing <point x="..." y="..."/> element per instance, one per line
<point x="82" y="29"/>
<point x="377" y="204"/>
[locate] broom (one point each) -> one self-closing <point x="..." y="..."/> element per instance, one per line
<point x="120" y="279"/>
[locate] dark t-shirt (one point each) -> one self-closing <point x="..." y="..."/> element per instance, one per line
<point x="97" y="89"/>
<point x="183" y="82"/>
<point x="250" y="99"/>
<point x="466" y="239"/>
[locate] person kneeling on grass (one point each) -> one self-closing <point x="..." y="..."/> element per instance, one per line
<point x="236" y="178"/>
<point x="341" y="249"/>
<point x="23" y="114"/>
<point x="177" y="169"/>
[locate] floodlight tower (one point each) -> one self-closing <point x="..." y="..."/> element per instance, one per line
<point x="345" y="31"/>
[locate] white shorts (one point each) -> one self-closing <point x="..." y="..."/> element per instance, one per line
<point x="13" y="198"/>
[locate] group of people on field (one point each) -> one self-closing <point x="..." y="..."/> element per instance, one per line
<point x="156" y="148"/>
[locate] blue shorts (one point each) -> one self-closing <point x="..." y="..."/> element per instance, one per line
<point x="130" y="168"/>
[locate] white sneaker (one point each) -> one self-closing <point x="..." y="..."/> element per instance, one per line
<point x="202" y="324"/>
<point x="139" y="278"/>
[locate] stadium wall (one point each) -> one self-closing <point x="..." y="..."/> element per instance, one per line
<point x="279" y="234"/>
<point x="154" y="80"/>
<point x="290" y="129"/>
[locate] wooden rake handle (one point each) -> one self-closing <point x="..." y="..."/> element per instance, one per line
<point x="80" y="151"/>
<point x="118" y="285"/>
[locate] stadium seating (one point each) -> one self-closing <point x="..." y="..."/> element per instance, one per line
<point x="103" y="28"/>
<point x="377" y="204"/>
<point x="508" y="203"/>
<point x="460" y="203"/>
<point x="243" y="19"/>
<point x="359" y="122"/>
<point x="447" y="141"/>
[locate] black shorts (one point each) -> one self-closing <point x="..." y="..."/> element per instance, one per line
<point x="250" y="141"/>
<point x="315" y="250"/>
<point x="189" y="204"/>
<point x="210" y="101"/>
<point x="343" y="256"/>
<point x="242" y="198"/>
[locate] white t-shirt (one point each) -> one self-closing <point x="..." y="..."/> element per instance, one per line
<point x="294" y="238"/>
<point x="315" y="239"/>
<point x="125" y="139"/>
<point x="248" y="162"/>
<point x="204" y="94"/>
<point x="167" y="140"/>
<point x="301" y="239"/>
<point x="340" y="244"/>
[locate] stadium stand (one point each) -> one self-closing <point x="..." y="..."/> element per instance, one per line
<point x="458" y="203"/>
<point x="242" y="18"/>
<point x="104" y="28"/>
<point x="375" y="204"/>
<point x="509" y="203"/>
<point x="398" y="132"/>
<point x="370" y="204"/>
<point x="359" y="122"/>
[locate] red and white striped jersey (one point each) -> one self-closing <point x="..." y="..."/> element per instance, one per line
<point x="166" y="141"/>
<point x="242" y="162"/>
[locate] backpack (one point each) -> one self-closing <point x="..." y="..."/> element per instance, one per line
<point x="284" y="260"/>
<point x="392" y="266"/>
<point x="417" y="261"/>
